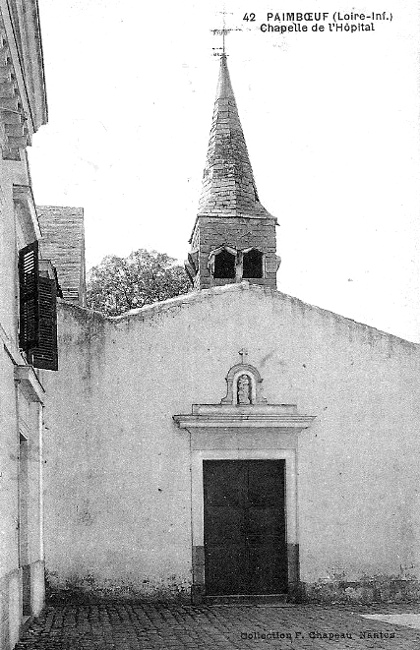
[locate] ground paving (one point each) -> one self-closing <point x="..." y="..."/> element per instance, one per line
<point x="132" y="626"/>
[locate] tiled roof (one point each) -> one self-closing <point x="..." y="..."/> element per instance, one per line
<point x="63" y="242"/>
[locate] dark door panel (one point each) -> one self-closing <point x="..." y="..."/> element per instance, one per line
<point x="268" y="521"/>
<point x="267" y="571"/>
<point x="224" y="570"/>
<point x="224" y="524"/>
<point x="244" y="527"/>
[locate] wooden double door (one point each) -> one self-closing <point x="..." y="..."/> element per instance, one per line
<point x="244" y="527"/>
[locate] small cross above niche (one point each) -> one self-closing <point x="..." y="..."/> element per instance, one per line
<point x="243" y="353"/>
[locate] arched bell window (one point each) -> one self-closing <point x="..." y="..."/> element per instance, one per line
<point x="224" y="265"/>
<point x="252" y="264"/>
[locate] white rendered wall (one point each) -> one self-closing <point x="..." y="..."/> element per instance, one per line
<point x="118" y="491"/>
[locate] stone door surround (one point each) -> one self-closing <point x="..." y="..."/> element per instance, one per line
<point x="243" y="426"/>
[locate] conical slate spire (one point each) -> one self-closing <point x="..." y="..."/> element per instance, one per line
<point x="228" y="182"/>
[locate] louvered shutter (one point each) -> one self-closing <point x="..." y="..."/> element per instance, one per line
<point x="45" y="354"/>
<point x="28" y="285"/>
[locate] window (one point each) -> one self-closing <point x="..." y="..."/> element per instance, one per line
<point x="253" y="264"/>
<point x="38" y="311"/>
<point x="225" y="265"/>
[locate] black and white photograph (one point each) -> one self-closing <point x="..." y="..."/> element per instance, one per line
<point x="210" y="325"/>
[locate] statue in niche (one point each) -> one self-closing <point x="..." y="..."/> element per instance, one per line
<point x="244" y="390"/>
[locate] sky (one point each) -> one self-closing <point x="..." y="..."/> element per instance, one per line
<point x="331" y="120"/>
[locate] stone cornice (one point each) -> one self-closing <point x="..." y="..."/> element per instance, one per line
<point x="218" y="416"/>
<point x="22" y="85"/>
<point x="24" y="17"/>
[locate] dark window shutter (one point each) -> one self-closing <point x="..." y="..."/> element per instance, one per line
<point x="45" y="354"/>
<point x="28" y="285"/>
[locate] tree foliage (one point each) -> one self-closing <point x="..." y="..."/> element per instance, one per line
<point x="119" y="284"/>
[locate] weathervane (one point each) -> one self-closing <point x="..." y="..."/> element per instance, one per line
<point x="223" y="33"/>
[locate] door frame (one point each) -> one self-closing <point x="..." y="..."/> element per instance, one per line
<point x="197" y="509"/>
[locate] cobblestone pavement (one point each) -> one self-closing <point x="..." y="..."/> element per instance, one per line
<point x="128" y="626"/>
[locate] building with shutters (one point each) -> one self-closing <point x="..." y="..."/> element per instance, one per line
<point x="27" y="322"/>
<point x="234" y="441"/>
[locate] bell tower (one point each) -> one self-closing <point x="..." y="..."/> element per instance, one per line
<point x="234" y="236"/>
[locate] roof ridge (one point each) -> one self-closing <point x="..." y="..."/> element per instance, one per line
<point x="203" y="294"/>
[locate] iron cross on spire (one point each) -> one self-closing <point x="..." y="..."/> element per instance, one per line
<point x="223" y="33"/>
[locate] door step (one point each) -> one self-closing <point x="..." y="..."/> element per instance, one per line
<point x="246" y="599"/>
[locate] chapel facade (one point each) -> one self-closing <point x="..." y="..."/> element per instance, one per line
<point x="234" y="441"/>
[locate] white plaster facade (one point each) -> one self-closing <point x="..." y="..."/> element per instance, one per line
<point x="123" y="492"/>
